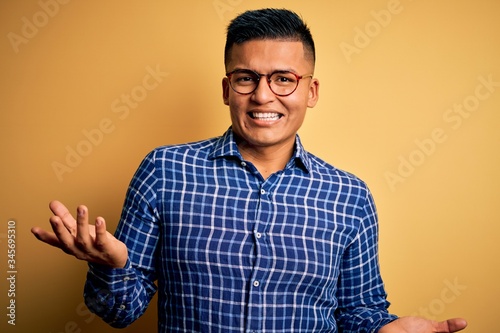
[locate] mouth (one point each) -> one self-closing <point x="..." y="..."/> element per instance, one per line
<point x="265" y="116"/>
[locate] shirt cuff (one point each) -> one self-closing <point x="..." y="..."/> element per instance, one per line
<point x="106" y="287"/>
<point x="389" y="319"/>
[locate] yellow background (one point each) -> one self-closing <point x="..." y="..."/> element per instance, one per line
<point x="380" y="103"/>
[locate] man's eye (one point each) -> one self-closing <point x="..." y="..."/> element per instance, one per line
<point x="284" y="79"/>
<point x="245" y="79"/>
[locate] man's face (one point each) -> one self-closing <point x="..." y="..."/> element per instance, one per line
<point x="262" y="119"/>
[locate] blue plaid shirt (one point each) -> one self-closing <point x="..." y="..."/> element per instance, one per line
<point x="233" y="252"/>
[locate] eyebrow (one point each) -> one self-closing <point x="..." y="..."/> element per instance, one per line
<point x="273" y="71"/>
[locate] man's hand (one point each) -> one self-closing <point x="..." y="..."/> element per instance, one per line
<point x="422" y="325"/>
<point x="78" y="238"/>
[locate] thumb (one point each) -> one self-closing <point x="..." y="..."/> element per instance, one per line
<point x="451" y="325"/>
<point x="456" y="324"/>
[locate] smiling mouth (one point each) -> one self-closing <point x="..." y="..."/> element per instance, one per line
<point x="265" y="116"/>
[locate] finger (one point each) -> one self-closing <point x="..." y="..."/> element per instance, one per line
<point x="451" y="325"/>
<point x="58" y="208"/>
<point x="113" y="252"/>
<point x="63" y="213"/>
<point x="46" y="237"/>
<point x="83" y="239"/>
<point x="456" y="324"/>
<point x="101" y="235"/>
<point x="66" y="240"/>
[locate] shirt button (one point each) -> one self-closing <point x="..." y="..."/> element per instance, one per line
<point x="258" y="235"/>
<point x="122" y="307"/>
<point x="262" y="191"/>
<point x="256" y="283"/>
<point x="126" y="279"/>
<point x="243" y="164"/>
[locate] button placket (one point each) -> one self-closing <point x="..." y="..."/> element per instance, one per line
<point x="262" y="263"/>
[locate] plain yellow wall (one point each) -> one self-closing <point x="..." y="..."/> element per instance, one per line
<point x="409" y="101"/>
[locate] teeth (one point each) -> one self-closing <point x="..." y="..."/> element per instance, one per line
<point x="266" y="116"/>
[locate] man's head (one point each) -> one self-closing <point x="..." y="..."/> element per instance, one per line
<point x="269" y="82"/>
<point x="274" y="24"/>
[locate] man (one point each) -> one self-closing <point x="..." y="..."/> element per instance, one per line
<point x="246" y="232"/>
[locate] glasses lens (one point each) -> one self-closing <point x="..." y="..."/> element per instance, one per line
<point x="244" y="81"/>
<point x="283" y="83"/>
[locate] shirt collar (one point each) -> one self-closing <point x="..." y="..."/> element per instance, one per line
<point x="226" y="146"/>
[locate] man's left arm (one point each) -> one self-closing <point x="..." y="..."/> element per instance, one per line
<point x="361" y="295"/>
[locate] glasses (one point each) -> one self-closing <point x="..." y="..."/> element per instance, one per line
<point x="281" y="83"/>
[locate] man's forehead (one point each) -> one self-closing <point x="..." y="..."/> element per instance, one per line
<point x="267" y="49"/>
<point x="292" y="43"/>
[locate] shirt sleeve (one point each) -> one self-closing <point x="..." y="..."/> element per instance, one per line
<point x="120" y="296"/>
<point x="363" y="305"/>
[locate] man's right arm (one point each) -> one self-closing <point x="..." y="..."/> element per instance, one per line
<point x="114" y="290"/>
<point x="121" y="295"/>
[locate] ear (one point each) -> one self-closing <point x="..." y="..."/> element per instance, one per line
<point x="313" y="93"/>
<point x="225" y="90"/>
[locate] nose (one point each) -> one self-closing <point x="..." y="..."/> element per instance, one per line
<point x="263" y="93"/>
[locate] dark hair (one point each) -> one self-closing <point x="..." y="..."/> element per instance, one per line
<point x="268" y="23"/>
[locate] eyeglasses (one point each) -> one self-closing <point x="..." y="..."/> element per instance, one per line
<point x="281" y="83"/>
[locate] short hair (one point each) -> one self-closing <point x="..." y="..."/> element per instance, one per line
<point x="269" y="23"/>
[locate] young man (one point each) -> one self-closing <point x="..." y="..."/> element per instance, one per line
<point x="247" y="232"/>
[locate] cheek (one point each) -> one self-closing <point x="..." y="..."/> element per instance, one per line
<point x="237" y="108"/>
<point x="295" y="105"/>
<point x="237" y="103"/>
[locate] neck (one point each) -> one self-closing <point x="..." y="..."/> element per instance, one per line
<point x="267" y="160"/>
